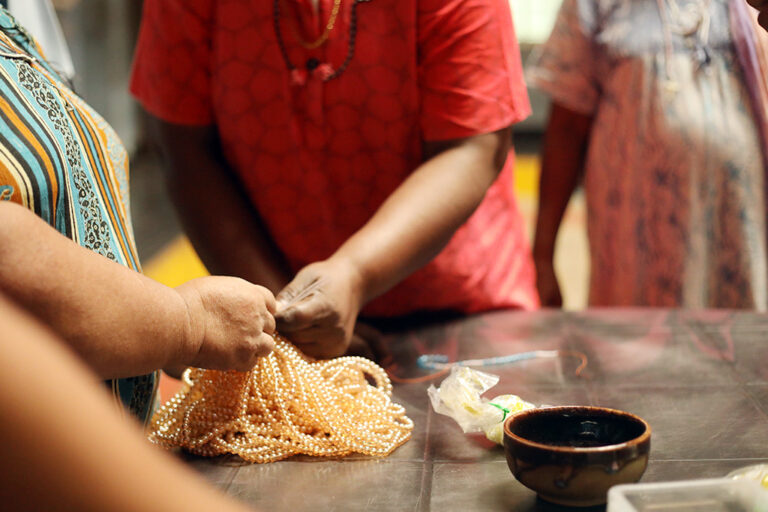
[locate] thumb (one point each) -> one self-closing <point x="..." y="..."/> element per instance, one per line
<point x="305" y="309"/>
<point x="284" y="298"/>
<point x="291" y="293"/>
<point x="295" y="292"/>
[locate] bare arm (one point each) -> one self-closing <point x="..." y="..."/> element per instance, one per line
<point x="320" y="306"/>
<point x="416" y="222"/>
<point x="216" y="215"/>
<point x="123" y="323"/>
<point x="562" y="165"/>
<point x="65" y="446"/>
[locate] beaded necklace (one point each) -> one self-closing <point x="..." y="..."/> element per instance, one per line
<point x="327" y="72"/>
<point x="288" y="404"/>
<point x="326" y="33"/>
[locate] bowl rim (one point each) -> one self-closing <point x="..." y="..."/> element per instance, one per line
<point x="634" y="442"/>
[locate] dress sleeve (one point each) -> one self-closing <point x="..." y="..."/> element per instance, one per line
<point x="565" y="65"/>
<point x="171" y="74"/>
<point x="470" y="74"/>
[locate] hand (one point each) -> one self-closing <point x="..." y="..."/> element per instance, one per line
<point x="318" y="309"/>
<point x="546" y="283"/>
<point x="762" y="6"/>
<point x="229" y="323"/>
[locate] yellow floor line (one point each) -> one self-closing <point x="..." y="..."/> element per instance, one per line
<point x="177" y="263"/>
<point x="527" y="177"/>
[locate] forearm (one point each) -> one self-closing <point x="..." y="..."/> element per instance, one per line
<point x="120" y="322"/>
<point x="562" y="165"/>
<point x="215" y="212"/>
<point x="421" y="216"/>
<point x="89" y="462"/>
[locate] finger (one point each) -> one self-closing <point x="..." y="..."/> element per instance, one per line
<point x="302" y="286"/>
<point x="269" y="299"/>
<point x="266" y="344"/>
<point x="304" y="314"/>
<point x="309" y="336"/>
<point x="293" y="291"/>
<point x="262" y="346"/>
<point x="319" y="351"/>
<point x="285" y="296"/>
<point x="269" y="323"/>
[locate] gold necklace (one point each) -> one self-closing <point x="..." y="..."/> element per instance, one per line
<point x="287" y="404"/>
<point x="311" y="45"/>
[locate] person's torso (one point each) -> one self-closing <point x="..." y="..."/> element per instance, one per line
<point x="320" y="137"/>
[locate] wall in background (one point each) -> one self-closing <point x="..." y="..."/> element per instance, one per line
<point x="534" y="19"/>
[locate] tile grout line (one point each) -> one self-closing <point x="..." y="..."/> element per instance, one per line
<point x="425" y="493"/>
<point x="231" y="479"/>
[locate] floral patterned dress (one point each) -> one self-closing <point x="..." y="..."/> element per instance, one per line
<point x="674" y="169"/>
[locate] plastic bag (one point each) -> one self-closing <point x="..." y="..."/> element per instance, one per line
<point x="459" y="397"/>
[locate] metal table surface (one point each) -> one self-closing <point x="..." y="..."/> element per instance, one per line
<point x="699" y="378"/>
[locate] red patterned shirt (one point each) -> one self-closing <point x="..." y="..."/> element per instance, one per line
<point x="318" y="156"/>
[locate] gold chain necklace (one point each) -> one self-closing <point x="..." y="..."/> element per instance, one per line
<point x="287" y="404"/>
<point x="311" y="45"/>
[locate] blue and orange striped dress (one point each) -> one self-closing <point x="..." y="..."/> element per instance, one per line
<point x="61" y="160"/>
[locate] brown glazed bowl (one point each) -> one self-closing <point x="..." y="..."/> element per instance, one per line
<point x="572" y="455"/>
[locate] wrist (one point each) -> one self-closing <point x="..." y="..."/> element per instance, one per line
<point x="190" y="333"/>
<point x="356" y="277"/>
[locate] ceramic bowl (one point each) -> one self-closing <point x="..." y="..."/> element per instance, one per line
<point x="572" y="455"/>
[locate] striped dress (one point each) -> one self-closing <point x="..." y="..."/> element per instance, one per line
<point x="63" y="161"/>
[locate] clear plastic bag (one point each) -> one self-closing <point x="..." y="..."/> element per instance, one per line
<point x="459" y="396"/>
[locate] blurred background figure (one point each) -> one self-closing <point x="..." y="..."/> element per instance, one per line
<point x="660" y="106"/>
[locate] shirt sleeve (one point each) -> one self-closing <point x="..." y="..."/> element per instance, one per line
<point x="470" y="75"/>
<point x="565" y="65"/>
<point x="171" y="74"/>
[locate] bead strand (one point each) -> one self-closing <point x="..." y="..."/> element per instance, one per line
<point x="288" y="404"/>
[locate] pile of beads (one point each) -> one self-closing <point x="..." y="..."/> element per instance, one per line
<point x="287" y="404"/>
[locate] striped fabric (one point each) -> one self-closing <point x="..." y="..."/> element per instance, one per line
<point x="61" y="160"/>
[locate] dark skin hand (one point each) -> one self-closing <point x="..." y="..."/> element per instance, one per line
<point x="318" y="308"/>
<point x="762" y="6"/>
<point x="562" y="165"/>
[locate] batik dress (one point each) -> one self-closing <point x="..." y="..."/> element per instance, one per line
<point x="675" y="174"/>
<point x="61" y="160"/>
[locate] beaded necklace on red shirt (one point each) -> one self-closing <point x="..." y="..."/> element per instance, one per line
<point x="326" y="71"/>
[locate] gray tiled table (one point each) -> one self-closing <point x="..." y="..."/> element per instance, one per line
<point x="699" y="378"/>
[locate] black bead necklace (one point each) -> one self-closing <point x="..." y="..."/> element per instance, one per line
<point x="312" y="63"/>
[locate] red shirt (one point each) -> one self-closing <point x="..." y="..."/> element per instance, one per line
<point x="318" y="157"/>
